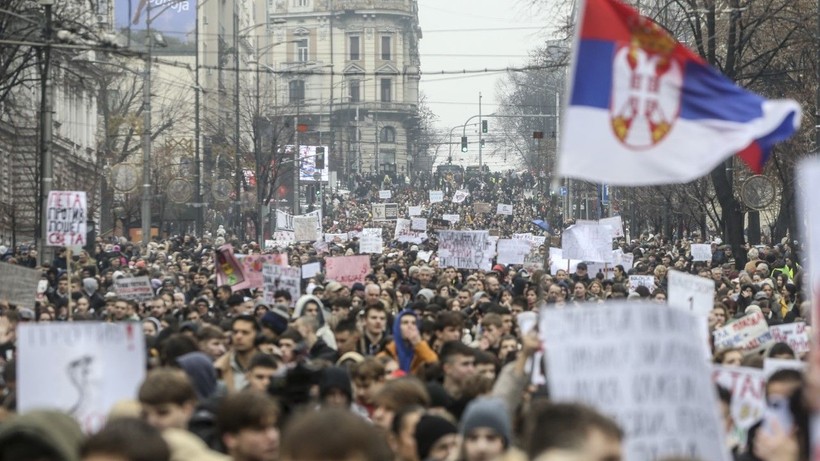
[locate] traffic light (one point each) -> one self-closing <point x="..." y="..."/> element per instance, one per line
<point x="464" y="144"/>
<point x="484" y="127"/>
<point x="320" y="158"/>
<point x="482" y="142"/>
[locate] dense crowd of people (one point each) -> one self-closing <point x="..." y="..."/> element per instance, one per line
<point x="417" y="362"/>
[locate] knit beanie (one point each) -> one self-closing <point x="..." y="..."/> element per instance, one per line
<point x="276" y="319"/>
<point x="489" y="412"/>
<point x="429" y="430"/>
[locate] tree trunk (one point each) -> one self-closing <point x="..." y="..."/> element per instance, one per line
<point x="754" y="227"/>
<point x="731" y="215"/>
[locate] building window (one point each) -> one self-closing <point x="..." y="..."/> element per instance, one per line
<point x="301" y="2"/>
<point x="354" y="47"/>
<point x="302" y="50"/>
<point x="387" y="90"/>
<point x="388" y="135"/>
<point x="353" y="134"/>
<point x="296" y="90"/>
<point x="387" y="48"/>
<point x="387" y="161"/>
<point x="355" y="91"/>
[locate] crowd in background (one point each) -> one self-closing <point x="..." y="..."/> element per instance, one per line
<point x="416" y="362"/>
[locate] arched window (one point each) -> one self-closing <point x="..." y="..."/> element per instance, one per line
<point x="388" y="135"/>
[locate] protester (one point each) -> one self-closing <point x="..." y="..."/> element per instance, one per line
<point x="417" y="358"/>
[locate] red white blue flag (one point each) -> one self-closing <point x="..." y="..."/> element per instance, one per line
<point x="643" y="109"/>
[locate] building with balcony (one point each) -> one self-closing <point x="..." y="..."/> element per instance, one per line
<point x="356" y="65"/>
<point x="350" y="69"/>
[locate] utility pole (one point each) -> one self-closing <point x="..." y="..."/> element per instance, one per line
<point x="239" y="230"/>
<point x="480" y="129"/>
<point x="199" y="206"/>
<point x="297" y="164"/>
<point x="46" y="110"/>
<point x="145" y="212"/>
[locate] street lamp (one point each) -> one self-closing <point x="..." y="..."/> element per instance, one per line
<point x="257" y="140"/>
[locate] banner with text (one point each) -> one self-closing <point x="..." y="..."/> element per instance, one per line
<point x="638" y="364"/>
<point x="276" y="278"/>
<point x="347" y="270"/>
<point x="465" y="249"/>
<point x="66" y="218"/>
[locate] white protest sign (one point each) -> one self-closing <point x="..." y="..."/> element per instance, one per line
<point x="793" y="334"/>
<point x="337" y="238"/>
<point x="772" y="366"/>
<point x="593" y="269"/>
<point x="627" y="260"/>
<point x="747" y="386"/>
<point x="282" y="238"/>
<point x="504" y="209"/>
<point x="414" y="211"/>
<point x="436" y="196"/>
<point x="701" y="252"/>
<point x="419" y="224"/>
<point x="460" y="196"/>
<point x="304" y="229"/>
<point x="750" y="333"/>
<point x="384" y="211"/>
<point x="690" y="292"/>
<point x="557" y="261"/>
<point x="385" y="194"/>
<point x="284" y="221"/>
<point x="276" y="277"/>
<point x="638" y="364"/>
<point x="647" y="281"/>
<point x="512" y="251"/>
<point x="587" y="242"/>
<point x="616" y="224"/>
<point x="404" y="233"/>
<point x="81" y="368"/>
<point x="134" y="288"/>
<point x="371" y="241"/>
<point x="424" y="255"/>
<point x="311" y="269"/>
<point x="19" y="286"/>
<point x="450" y="217"/>
<point x="465" y="249"/>
<point x="66" y="217"/>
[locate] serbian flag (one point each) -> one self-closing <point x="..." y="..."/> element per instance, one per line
<point x="645" y="110"/>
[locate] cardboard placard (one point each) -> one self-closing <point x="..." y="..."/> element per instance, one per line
<point x="134" y="288"/>
<point x="66" y="218"/>
<point x="347" y="270"/>
<point x="98" y="365"/>
<point x="638" y="364"/>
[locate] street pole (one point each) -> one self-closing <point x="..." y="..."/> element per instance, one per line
<point x="297" y="164"/>
<point x="239" y="227"/>
<point x="46" y="110"/>
<point x="145" y="213"/>
<point x="199" y="207"/>
<point x="260" y="231"/>
<point x="359" y="142"/>
<point x="480" y="129"/>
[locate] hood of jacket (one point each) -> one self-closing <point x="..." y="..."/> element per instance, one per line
<point x="404" y="351"/>
<point x="201" y="371"/>
<point x="300" y="307"/>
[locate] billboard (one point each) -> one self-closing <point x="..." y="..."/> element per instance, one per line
<point x="307" y="160"/>
<point x="174" y="19"/>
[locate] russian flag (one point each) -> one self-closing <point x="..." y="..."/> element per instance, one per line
<point x="645" y="110"/>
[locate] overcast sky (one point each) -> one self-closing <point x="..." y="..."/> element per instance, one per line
<point x="472" y="34"/>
